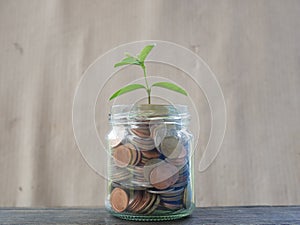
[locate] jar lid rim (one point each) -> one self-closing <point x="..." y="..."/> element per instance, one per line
<point x="149" y="111"/>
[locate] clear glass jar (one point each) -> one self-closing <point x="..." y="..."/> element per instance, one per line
<point x="150" y="171"/>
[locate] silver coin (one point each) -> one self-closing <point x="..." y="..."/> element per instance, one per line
<point x="171" y="147"/>
<point x="187" y="197"/>
<point x="180" y="184"/>
<point x="154" y="191"/>
<point x="143" y="144"/>
<point x="142" y="184"/>
<point x="173" y="192"/>
<point x="171" y="198"/>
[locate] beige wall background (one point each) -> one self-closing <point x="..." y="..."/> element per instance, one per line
<point x="252" y="46"/>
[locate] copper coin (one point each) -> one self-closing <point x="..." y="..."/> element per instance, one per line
<point x="135" y="201"/>
<point x="144" y="202"/>
<point x="151" y="154"/>
<point x="134" y="153"/>
<point x="171" y="147"/>
<point x="150" y="204"/>
<point x="122" y="156"/>
<point x="138" y="158"/>
<point x="119" y="200"/>
<point x="164" y="176"/>
<point x="141" y="132"/>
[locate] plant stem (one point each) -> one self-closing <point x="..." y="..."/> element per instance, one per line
<point x="147" y="86"/>
<point x="149" y="98"/>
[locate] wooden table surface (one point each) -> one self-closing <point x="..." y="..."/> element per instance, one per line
<point x="211" y="215"/>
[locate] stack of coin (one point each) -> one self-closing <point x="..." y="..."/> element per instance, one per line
<point x="152" y="154"/>
<point x="138" y="178"/>
<point x="141" y="131"/>
<point x="173" y="200"/>
<point x="143" y="144"/>
<point x="143" y="202"/>
<point x="125" y="155"/>
<point x="117" y="175"/>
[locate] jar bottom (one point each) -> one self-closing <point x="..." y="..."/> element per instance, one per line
<point x="158" y="215"/>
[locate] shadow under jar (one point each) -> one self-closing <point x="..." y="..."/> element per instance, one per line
<point x="150" y="169"/>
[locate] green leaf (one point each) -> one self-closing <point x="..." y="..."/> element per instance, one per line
<point x="144" y="53"/>
<point x="170" y="86"/>
<point x="128" y="61"/>
<point x="128" y="88"/>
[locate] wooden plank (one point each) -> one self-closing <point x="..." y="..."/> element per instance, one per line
<point x="210" y="215"/>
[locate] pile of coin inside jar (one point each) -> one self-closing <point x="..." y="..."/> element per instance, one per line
<point x="149" y="168"/>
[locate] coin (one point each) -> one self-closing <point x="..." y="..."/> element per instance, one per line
<point x="163" y="176"/>
<point x="179" y="162"/>
<point x="122" y="156"/>
<point x="119" y="174"/>
<point x="151" y="154"/>
<point x="138" y="159"/>
<point x="144" y="184"/>
<point x="155" y="205"/>
<point x="149" y="166"/>
<point x="173" y="192"/>
<point x="130" y="186"/>
<point x="171" y="198"/>
<point x="119" y="200"/>
<point x="180" y="184"/>
<point x="158" y="132"/>
<point x="172" y="206"/>
<point x="160" y="191"/>
<point x="187" y="197"/>
<point x="144" y="160"/>
<point x="143" y="203"/>
<point x="150" y="204"/>
<point x="171" y="147"/>
<point x="142" y="132"/>
<point x="116" y="136"/>
<point x="143" y="144"/>
<point x="152" y="111"/>
<point x="138" y="195"/>
<point x="135" y="159"/>
<point x="121" y="177"/>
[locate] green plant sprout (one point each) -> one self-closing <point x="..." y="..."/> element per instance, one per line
<point x="139" y="60"/>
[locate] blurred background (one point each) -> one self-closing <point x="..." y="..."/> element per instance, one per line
<point x="252" y="47"/>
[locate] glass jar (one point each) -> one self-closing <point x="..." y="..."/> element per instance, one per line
<point x="150" y="168"/>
